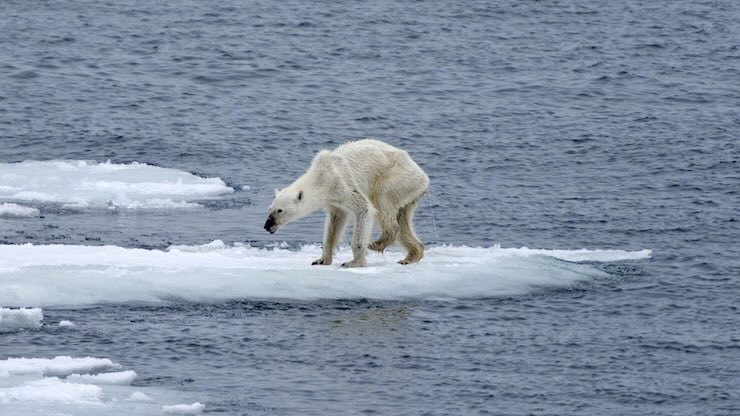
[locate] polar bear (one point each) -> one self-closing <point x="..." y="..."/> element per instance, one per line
<point x="359" y="179"/>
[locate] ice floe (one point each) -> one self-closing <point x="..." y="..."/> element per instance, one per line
<point x="51" y="390"/>
<point x="81" y="386"/>
<point x="121" y="377"/>
<point x="138" y="396"/>
<point x="50" y="275"/>
<point x="15" y="319"/>
<point x="183" y="409"/>
<point x="10" y="210"/>
<point x="60" y="366"/>
<point x="84" y="184"/>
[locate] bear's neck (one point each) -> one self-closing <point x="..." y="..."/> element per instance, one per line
<point x="311" y="192"/>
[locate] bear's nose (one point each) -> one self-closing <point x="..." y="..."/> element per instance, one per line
<point x="270" y="224"/>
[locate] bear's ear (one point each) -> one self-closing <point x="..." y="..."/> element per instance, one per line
<point x="300" y="195"/>
<point x="277" y="191"/>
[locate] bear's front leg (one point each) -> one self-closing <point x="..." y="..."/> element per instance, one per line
<point x="336" y="219"/>
<point x="361" y="233"/>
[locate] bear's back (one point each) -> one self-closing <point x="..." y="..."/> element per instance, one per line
<point x="368" y="158"/>
<point x="366" y="147"/>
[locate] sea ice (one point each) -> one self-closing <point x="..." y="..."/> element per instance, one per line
<point x="49" y="275"/>
<point x="183" y="409"/>
<point x="81" y="386"/>
<point x="15" y="319"/>
<point x="121" y="377"/>
<point x="10" y="210"/>
<point x="52" y="389"/>
<point x="88" y="184"/>
<point x="57" y="366"/>
<point x="138" y="396"/>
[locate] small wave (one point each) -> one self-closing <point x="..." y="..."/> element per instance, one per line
<point x="86" y="184"/>
<point x="51" y="275"/>
<point x="25" y="75"/>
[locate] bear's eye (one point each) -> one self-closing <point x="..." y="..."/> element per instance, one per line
<point x="280" y="210"/>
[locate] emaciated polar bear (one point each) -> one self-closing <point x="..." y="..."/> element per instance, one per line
<point x="358" y="179"/>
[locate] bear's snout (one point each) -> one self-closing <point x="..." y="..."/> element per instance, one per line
<point x="271" y="225"/>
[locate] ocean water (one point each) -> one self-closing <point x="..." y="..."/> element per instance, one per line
<point x="581" y="225"/>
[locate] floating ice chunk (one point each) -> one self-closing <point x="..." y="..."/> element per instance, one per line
<point x="52" y="389"/>
<point x="14" y="319"/>
<point x="138" y="396"/>
<point x="50" y="275"/>
<point x="582" y="255"/>
<point x="122" y="377"/>
<point x="57" y="366"/>
<point x="32" y="196"/>
<point x="86" y="390"/>
<point x="67" y="324"/>
<point x="184" y="409"/>
<point x="10" y="210"/>
<point x="83" y="184"/>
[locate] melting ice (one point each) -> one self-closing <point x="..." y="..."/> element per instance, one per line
<point x="52" y="275"/>
<point x="80" y="386"/>
<point x="10" y="210"/>
<point x="83" y="184"/>
<point x="21" y="318"/>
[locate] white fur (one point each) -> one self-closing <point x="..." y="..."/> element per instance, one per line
<point x="360" y="179"/>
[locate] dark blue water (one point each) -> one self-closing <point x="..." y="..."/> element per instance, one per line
<point x="561" y="125"/>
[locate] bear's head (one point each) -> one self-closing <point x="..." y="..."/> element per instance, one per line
<point x="289" y="205"/>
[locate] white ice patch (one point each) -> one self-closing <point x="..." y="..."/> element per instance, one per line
<point x="138" y="396"/>
<point x="79" y="386"/>
<point x="83" y="184"/>
<point x="10" y="210"/>
<point x="57" y="366"/>
<point x="52" y="390"/>
<point x="183" y="409"/>
<point x="67" y="324"/>
<point x="15" y="319"/>
<point x="52" y="275"/>
<point x="121" y="377"/>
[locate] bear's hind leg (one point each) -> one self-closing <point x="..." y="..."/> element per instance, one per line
<point x="406" y="236"/>
<point x="387" y="213"/>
